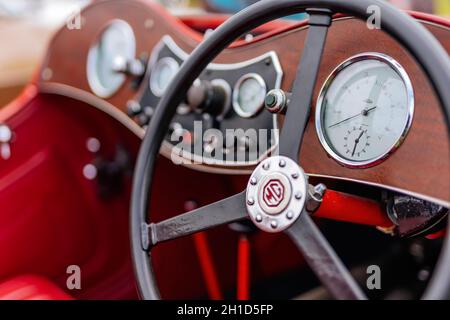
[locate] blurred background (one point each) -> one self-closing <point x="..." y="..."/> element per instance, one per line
<point x="26" y="26"/>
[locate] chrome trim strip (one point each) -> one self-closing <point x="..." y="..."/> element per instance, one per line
<point x="433" y="24"/>
<point x="94" y="101"/>
<point x="182" y="55"/>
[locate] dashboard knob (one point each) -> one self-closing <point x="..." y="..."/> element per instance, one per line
<point x="133" y="108"/>
<point x="143" y="119"/>
<point x="133" y="67"/>
<point x="208" y="97"/>
<point x="176" y="128"/>
<point x="276" y="101"/>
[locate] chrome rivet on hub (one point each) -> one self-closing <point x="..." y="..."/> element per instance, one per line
<point x="295" y="175"/>
<point x="258" y="218"/>
<point x="289" y="215"/>
<point x="298" y="195"/>
<point x="282" y="163"/>
<point x="274" y="224"/>
<point x="253" y="181"/>
<point x="266" y="166"/>
<point x="251" y="201"/>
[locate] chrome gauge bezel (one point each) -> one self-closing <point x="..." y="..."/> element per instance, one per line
<point x="397" y="67"/>
<point x="92" y="72"/>
<point x="237" y="90"/>
<point x="172" y="64"/>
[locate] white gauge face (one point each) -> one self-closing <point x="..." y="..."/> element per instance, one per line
<point x="162" y="74"/>
<point x="116" y="41"/>
<point x="249" y="94"/>
<point x="365" y="110"/>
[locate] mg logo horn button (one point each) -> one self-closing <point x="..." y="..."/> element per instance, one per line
<point x="275" y="194"/>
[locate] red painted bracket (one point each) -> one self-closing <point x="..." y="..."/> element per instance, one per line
<point x="349" y="208"/>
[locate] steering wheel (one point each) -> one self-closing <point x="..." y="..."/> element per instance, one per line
<point x="289" y="214"/>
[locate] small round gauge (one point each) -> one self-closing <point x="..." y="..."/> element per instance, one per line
<point x="117" y="41"/>
<point x="365" y="110"/>
<point x="162" y="74"/>
<point x="249" y="94"/>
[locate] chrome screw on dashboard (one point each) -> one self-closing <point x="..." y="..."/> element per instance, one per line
<point x="319" y="190"/>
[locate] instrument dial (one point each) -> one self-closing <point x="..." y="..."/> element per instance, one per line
<point x="162" y="74"/>
<point x="365" y="110"/>
<point x="356" y="141"/>
<point x="116" y="42"/>
<point x="249" y="94"/>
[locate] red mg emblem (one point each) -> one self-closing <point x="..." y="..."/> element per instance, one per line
<point x="273" y="193"/>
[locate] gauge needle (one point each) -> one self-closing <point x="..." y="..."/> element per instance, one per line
<point x="356" y="143"/>
<point x="365" y="112"/>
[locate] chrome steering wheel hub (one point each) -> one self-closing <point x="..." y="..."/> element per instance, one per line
<point x="276" y="194"/>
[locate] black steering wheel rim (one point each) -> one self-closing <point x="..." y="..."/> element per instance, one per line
<point x="415" y="38"/>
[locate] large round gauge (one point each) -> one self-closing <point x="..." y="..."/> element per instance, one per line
<point x="249" y="94"/>
<point x="364" y="110"/>
<point x="117" y="41"/>
<point x="162" y="74"/>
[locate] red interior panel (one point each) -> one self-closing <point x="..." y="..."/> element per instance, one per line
<point x="29" y="287"/>
<point x="53" y="217"/>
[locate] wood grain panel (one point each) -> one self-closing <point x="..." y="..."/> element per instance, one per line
<point x="421" y="165"/>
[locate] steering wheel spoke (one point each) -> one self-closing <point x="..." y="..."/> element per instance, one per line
<point x="298" y="111"/>
<point x="226" y="211"/>
<point x="323" y="260"/>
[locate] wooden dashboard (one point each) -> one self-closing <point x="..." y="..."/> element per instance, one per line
<point x="421" y="166"/>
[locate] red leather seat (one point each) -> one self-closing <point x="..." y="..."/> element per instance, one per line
<point x="30" y="287"/>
